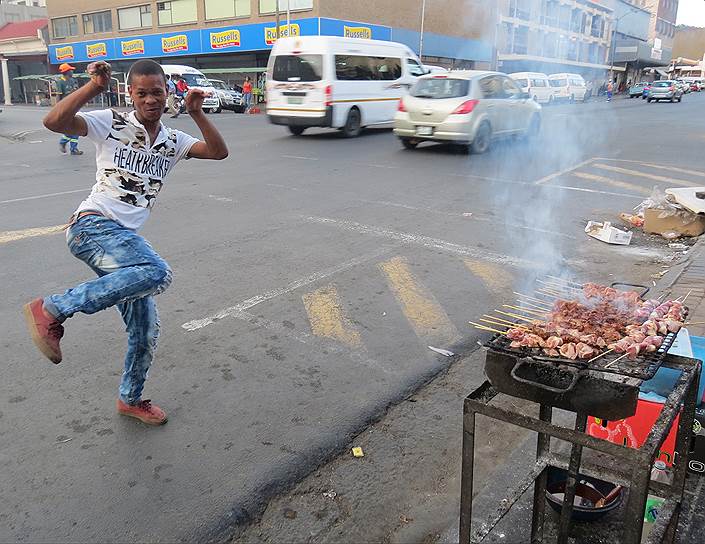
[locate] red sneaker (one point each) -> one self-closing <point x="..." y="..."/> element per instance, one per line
<point x="46" y="331"/>
<point x="144" y="410"/>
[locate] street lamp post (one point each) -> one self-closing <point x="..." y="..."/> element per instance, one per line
<point x="423" y="17"/>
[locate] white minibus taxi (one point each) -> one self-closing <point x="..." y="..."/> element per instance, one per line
<point x="195" y="80"/>
<point x="570" y="87"/>
<point x="536" y="84"/>
<point x="343" y="83"/>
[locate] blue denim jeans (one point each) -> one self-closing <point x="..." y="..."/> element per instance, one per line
<point x="129" y="273"/>
<point x="71" y="140"/>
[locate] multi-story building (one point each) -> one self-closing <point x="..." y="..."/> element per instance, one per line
<point x="239" y="34"/>
<point x="632" y="49"/>
<point x="555" y="36"/>
<point x="15" y="12"/>
<point x="663" y="22"/>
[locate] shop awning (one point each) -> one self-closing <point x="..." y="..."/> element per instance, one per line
<point x="258" y="70"/>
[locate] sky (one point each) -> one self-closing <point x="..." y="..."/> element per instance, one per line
<point x="691" y="12"/>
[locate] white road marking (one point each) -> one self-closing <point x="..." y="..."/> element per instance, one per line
<point x="389" y="167"/>
<point x="14" y="235"/>
<point x="47" y="195"/>
<point x="595" y="191"/>
<point x="426" y="241"/>
<point x="36" y="141"/>
<point x="555" y="175"/>
<point x="220" y="198"/>
<point x="300" y="158"/>
<point x="296" y="284"/>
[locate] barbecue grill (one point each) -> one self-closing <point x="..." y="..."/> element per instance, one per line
<point x="606" y="386"/>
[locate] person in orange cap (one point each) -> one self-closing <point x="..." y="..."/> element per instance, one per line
<point x="64" y="87"/>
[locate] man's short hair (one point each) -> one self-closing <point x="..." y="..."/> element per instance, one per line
<point x="145" y="67"/>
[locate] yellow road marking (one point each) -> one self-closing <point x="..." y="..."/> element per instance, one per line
<point x="676" y="169"/>
<point x="420" y="307"/>
<point x="614" y="182"/>
<point x="14" y="235"/>
<point x="495" y="278"/>
<point x="662" y="179"/>
<point x="327" y="319"/>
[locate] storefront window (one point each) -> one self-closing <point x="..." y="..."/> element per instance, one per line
<point x="270" y="6"/>
<point x="137" y="17"/>
<point x="225" y="9"/>
<point x="176" y="12"/>
<point x="101" y="21"/>
<point x="64" y="27"/>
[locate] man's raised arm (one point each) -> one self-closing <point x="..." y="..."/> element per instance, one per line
<point x="62" y="117"/>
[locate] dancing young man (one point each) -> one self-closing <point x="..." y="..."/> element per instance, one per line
<point x="134" y="154"/>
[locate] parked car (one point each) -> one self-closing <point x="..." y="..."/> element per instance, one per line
<point x="468" y="108"/>
<point x="665" y="90"/>
<point x="536" y="84"/>
<point x="647" y="88"/>
<point x="570" y="87"/>
<point x="684" y="86"/>
<point x="637" y="89"/>
<point x="695" y="86"/>
<point x="343" y="83"/>
<point x="230" y="99"/>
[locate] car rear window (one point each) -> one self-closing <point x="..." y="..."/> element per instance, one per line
<point x="438" y="88"/>
<point x="558" y="83"/>
<point x="298" y="68"/>
<point x="662" y="84"/>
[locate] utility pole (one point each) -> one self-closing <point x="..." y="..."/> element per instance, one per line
<point x="276" y="12"/>
<point x="423" y="17"/>
<point x="288" y="17"/>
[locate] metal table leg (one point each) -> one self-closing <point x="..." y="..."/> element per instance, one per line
<point x="543" y="445"/>
<point x="572" y="481"/>
<point x="467" y="476"/>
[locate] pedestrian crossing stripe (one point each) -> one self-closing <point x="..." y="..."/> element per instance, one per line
<point x="494" y="277"/>
<point x="327" y="317"/>
<point x="421" y="309"/>
<point x="614" y="182"/>
<point x="637" y="173"/>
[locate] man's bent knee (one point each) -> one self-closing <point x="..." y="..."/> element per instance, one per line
<point x="161" y="276"/>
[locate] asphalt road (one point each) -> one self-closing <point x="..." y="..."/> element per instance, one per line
<point x="310" y="276"/>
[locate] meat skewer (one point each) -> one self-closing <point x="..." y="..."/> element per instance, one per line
<point x="484" y="328"/>
<point x="525" y="310"/>
<point x="563" y="280"/>
<point x="506" y="321"/>
<point x="613" y="362"/>
<point x="600" y="355"/>
<point x="536" y="300"/>
<point x="515" y="316"/>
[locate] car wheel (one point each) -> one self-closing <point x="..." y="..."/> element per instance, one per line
<point x="352" y="126"/>
<point x="296" y="131"/>
<point x="408" y="143"/>
<point x="679" y="99"/>
<point x="218" y="109"/>
<point x="483" y="138"/>
<point x="648" y="100"/>
<point x="672" y="100"/>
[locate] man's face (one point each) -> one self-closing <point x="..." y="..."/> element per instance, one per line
<point x="148" y="94"/>
<point x="68" y="74"/>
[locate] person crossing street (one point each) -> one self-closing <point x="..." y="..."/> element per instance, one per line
<point x="135" y="153"/>
<point x="64" y="87"/>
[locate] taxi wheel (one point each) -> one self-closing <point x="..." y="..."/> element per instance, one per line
<point x="296" y="131"/>
<point x="408" y="143"/>
<point x="352" y="126"/>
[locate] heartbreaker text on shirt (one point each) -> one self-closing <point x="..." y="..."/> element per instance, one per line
<point x="141" y="163"/>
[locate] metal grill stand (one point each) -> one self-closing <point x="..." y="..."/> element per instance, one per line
<point x="631" y="467"/>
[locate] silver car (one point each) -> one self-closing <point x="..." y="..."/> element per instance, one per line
<point x="468" y="108"/>
<point x="665" y="90"/>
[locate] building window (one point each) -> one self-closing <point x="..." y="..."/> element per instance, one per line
<point x="64" y="27"/>
<point x="137" y="17"/>
<point x="520" y="45"/>
<point x="521" y="9"/>
<point x="176" y="12"/>
<point x="270" y="6"/>
<point x="101" y="21"/>
<point x="549" y="13"/>
<point x="598" y="26"/>
<point x="226" y="9"/>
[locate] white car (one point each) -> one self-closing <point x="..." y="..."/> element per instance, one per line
<point x="343" y="83"/>
<point x="568" y="87"/>
<point x="195" y="80"/>
<point x="536" y="84"/>
<point x="468" y="108"/>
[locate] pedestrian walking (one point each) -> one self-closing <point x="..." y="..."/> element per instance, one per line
<point x="135" y="153"/>
<point x="171" y="101"/>
<point x="247" y="93"/>
<point x="181" y="91"/>
<point x="64" y="87"/>
<point x="610" y="90"/>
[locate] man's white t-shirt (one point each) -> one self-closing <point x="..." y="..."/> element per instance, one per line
<point x="130" y="169"/>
